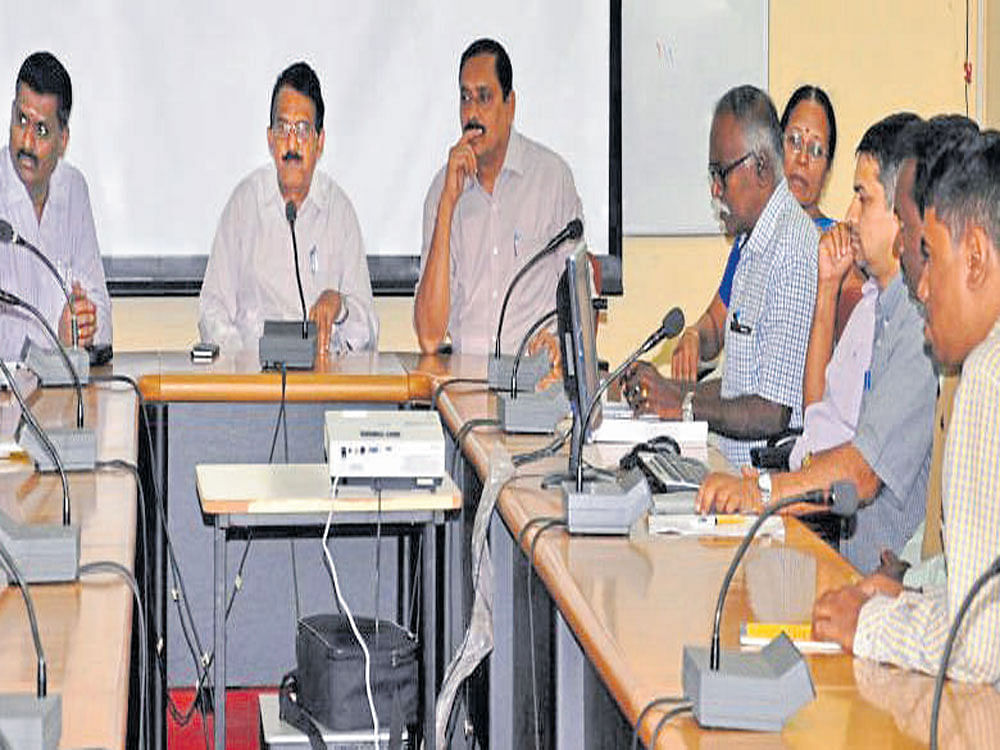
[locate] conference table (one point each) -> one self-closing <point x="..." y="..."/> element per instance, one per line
<point x="611" y="615"/>
<point x="85" y="626"/>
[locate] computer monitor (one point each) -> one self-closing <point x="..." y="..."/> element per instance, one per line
<point x="578" y="343"/>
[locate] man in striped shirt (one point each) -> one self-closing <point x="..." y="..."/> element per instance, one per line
<point x="960" y="286"/>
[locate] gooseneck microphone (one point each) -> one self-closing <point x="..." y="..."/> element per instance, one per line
<point x="15" y="301"/>
<point x="572" y="231"/>
<point x="290" y="214"/>
<point x="8" y="235"/>
<point x="41" y="688"/>
<point x="672" y="324"/>
<point x="842" y="501"/>
<point x="524" y="345"/>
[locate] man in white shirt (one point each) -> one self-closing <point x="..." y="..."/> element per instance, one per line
<point x="46" y="201"/>
<point x="251" y="273"/>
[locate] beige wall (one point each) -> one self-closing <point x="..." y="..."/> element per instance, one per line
<point x="873" y="57"/>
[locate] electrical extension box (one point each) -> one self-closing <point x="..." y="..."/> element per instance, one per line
<point x="394" y="448"/>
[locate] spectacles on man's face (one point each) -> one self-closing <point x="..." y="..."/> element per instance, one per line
<point x="284" y="129"/>
<point x="797" y="143"/>
<point x="719" y="173"/>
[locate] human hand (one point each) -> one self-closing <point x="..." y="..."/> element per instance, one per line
<point x="461" y="164"/>
<point x="835" y="254"/>
<point x="835" y="615"/>
<point x="686" y="356"/>
<point x="726" y="493"/>
<point x="545" y="341"/>
<point x="648" y="392"/>
<point x="86" y="318"/>
<point x="891" y="566"/>
<point x="324" y="313"/>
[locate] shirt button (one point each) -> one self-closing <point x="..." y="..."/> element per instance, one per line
<point x="494" y="250"/>
<point x="494" y="295"/>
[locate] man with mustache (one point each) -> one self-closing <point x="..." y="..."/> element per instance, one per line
<point x="498" y="200"/>
<point x="251" y="274"/>
<point x="887" y="454"/>
<point x="46" y="201"/>
<point x="774" y="289"/>
<point x="959" y="197"/>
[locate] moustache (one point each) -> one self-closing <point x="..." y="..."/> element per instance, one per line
<point x="292" y="156"/>
<point x="24" y="154"/>
<point x="473" y="125"/>
<point x="720" y="209"/>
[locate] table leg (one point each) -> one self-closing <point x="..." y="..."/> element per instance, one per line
<point x="219" y="633"/>
<point x="428" y="599"/>
<point x="570" y="708"/>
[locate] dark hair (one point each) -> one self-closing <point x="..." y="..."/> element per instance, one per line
<point x="300" y="77"/>
<point x="963" y="184"/>
<point x="44" y="74"/>
<point x="758" y="119"/>
<point x="818" y="95"/>
<point x="924" y="141"/>
<point x="501" y="62"/>
<point x="880" y="143"/>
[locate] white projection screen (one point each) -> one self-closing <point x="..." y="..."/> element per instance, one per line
<point x="171" y="104"/>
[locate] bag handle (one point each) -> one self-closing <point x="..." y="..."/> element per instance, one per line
<point x="291" y="712"/>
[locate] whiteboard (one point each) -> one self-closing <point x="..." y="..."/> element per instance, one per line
<point x="171" y="102"/>
<point x="678" y="58"/>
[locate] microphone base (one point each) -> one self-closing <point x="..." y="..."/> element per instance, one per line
<point x="529" y="372"/>
<point x="756" y="691"/>
<point x="606" y="506"/>
<point x="46" y="553"/>
<point x="282" y="344"/>
<point x="533" y="413"/>
<point x="50" y="368"/>
<point x="30" y="722"/>
<point x="77" y="447"/>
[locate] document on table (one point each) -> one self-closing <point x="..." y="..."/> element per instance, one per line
<point x="718" y="526"/>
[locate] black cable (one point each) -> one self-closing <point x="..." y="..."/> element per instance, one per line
<point x="545" y="451"/>
<point x="664" y="700"/>
<point x="416" y="585"/>
<point x="436" y="395"/>
<point x="992" y="570"/>
<point x="15" y="572"/>
<point x="29" y="419"/>
<point x="524" y="345"/>
<point x="465" y="429"/>
<point x="664" y="719"/>
<point x="542" y="528"/>
<point x="109" y="566"/>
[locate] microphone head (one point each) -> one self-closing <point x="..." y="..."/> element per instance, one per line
<point x="843" y="499"/>
<point x="673" y="323"/>
<point x="290" y="212"/>
<point x="6" y="231"/>
<point x="574" y="230"/>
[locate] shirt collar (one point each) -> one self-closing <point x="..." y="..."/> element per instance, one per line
<point x="514" y="161"/>
<point x="892" y="296"/>
<point x="16" y="192"/>
<point x="273" y="192"/>
<point x="763" y="230"/>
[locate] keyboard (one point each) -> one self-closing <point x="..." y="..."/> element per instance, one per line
<point x="669" y="472"/>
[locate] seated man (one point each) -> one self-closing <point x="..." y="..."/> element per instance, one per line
<point x="499" y="200"/>
<point x="46" y="201"/>
<point x="867" y="236"/>
<point x="888" y="456"/>
<point x="251" y="275"/>
<point x="774" y="289"/>
<point x="960" y="287"/>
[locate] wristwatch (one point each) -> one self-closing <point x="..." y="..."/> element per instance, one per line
<point x="764" y="485"/>
<point x="687" y="407"/>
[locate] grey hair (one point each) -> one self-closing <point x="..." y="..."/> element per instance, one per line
<point x="758" y="120"/>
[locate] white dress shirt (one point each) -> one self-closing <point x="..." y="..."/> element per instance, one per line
<point x="66" y="235"/>
<point x="250" y="276"/>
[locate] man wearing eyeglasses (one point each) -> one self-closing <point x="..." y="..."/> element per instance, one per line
<point x="773" y="293"/>
<point x="498" y="200"/>
<point x="46" y="201"/>
<point x="251" y="275"/>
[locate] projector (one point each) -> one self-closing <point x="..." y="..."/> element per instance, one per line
<point x="400" y="449"/>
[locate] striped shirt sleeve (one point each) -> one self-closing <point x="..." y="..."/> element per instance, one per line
<point x="910" y="631"/>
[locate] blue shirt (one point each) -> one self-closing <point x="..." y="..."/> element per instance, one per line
<point x="726" y="285"/>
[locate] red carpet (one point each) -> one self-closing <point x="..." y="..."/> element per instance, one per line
<point x="242" y="721"/>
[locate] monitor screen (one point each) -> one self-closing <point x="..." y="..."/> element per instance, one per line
<point x="578" y="341"/>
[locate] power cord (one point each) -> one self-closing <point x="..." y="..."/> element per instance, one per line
<point x="665" y="719"/>
<point x="664" y="700"/>
<point x="465" y="429"/>
<point x="436" y="395"/>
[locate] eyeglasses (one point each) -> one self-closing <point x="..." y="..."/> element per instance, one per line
<point x="284" y="129"/>
<point x="719" y="174"/>
<point x="483" y="96"/>
<point x="814" y="149"/>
